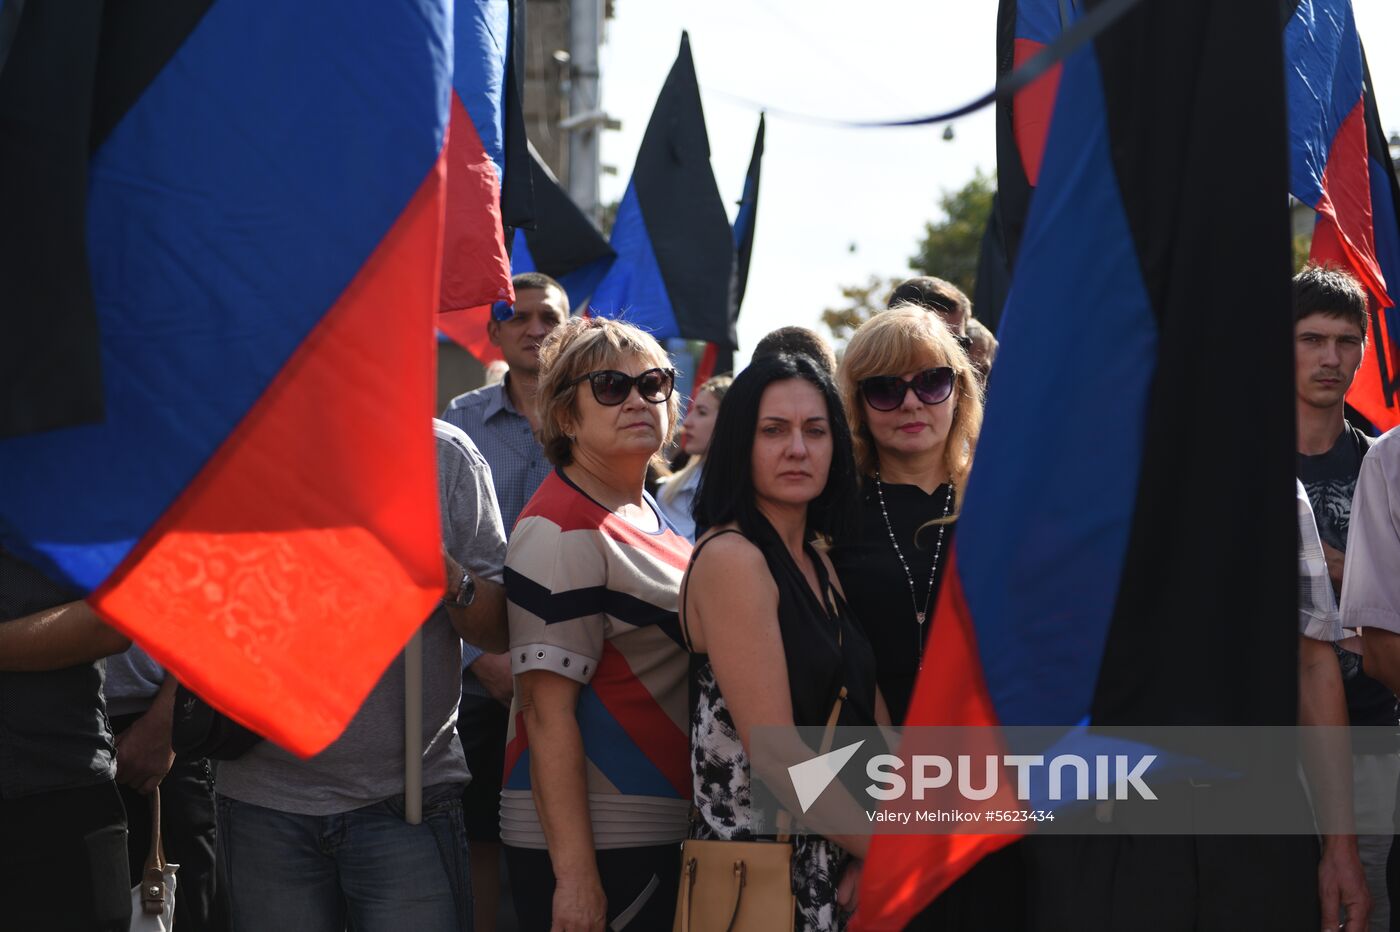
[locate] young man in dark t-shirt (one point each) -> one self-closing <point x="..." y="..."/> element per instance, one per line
<point x="1329" y="333"/>
<point x="63" y="861"/>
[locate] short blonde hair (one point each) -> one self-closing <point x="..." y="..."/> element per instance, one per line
<point x="907" y="338"/>
<point x="583" y="345"/>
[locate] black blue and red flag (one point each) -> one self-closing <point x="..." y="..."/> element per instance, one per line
<point x="562" y="243"/>
<point x="565" y="245"/>
<point x="674" y="274"/>
<point x="475" y="265"/>
<point x="264" y="234"/>
<point x="716" y="359"/>
<point x="1084" y="577"/>
<point x="488" y="174"/>
<point x="1025" y="28"/>
<point x="1341" y="168"/>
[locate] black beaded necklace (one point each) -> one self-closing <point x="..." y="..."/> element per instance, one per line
<point x="920" y="615"/>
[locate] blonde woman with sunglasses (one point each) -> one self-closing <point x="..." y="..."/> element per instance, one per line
<point x="914" y="402"/>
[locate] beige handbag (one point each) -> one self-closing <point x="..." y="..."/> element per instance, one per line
<point x="742" y="886"/>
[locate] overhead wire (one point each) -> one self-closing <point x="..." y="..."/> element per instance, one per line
<point x="1084" y="30"/>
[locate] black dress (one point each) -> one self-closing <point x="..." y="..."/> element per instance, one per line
<point x="877" y="589"/>
<point x="819" y="664"/>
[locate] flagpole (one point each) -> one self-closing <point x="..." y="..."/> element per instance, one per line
<point x="413" y="729"/>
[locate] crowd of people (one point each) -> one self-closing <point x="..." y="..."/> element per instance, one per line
<point x="616" y="625"/>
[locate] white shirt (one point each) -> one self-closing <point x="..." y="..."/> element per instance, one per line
<point x="1371" y="580"/>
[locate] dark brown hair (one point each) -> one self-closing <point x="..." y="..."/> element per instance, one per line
<point x="1329" y="290"/>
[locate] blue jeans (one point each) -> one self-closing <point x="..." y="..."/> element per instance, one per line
<point x="367" y="867"/>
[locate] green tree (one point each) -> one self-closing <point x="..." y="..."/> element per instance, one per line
<point x="949" y="249"/>
<point x="609" y="217"/>
<point x="860" y="301"/>
<point x="950" y="246"/>
<point x="1302" y="250"/>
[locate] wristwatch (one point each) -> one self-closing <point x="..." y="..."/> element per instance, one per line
<point x="466" y="592"/>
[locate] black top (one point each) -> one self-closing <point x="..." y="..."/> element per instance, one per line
<point x="53" y="725"/>
<point x="878" y="590"/>
<point x="1330" y="480"/>
<point x="819" y="661"/>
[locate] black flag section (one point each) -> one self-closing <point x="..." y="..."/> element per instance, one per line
<point x="517" y="188"/>
<point x="563" y="244"/>
<point x="717" y="359"/>
<point x="1214" y="531"/>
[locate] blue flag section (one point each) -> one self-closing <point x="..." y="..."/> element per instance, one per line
<point x="1096" y="579"/>
<point x="674" y="274"/>
<point x="1067" y="503"/>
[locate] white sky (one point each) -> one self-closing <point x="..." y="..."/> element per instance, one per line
<point x="826" y="190"/>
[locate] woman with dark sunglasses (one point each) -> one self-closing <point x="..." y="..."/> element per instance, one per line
<point x="914" y="402"/>
<point x="915" y="408"/>
<point x="597" y="781"/>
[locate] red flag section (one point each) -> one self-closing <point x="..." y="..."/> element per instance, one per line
<point x="1345" y="232"/>
<point x="467" y="328"/>
<point x="1345" y="236"/>
<point x="1368" y="390"/>
<point x="950" y="691"/>
<point x="475" y="267"/>
<point x="1030" y="114"/>
<point x="292" y="570"/>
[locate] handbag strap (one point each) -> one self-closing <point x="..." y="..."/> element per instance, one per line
<point x="741" y="880"/>
<point x="828" y="737"/>
<point x="687" y="887"/>
<point x="153" y="887"/>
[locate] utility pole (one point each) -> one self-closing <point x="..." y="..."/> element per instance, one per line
<point x="586" y="119"/>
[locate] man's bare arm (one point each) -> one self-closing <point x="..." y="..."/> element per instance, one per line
<point x="482" y="623"/>
<point x="1381" y="657"/>
<point x="63" y="636"/>
<point x="1327" y="762"/>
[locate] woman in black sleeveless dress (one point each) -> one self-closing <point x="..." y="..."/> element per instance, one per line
<point x="772" y="640"/>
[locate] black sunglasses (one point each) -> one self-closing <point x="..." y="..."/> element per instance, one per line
<point x="611" y="387"/>
<point x="886" y="392"/>
<point x="964" y="341"/>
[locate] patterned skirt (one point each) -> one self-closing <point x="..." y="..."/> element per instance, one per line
<point x="720" y="773"/>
